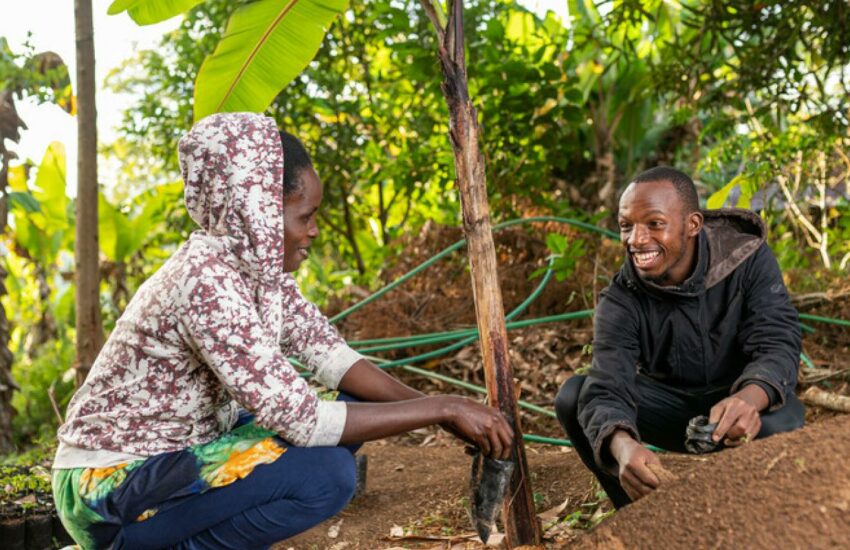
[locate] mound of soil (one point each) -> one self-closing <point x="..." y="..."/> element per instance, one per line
<point x="788" y="491"/>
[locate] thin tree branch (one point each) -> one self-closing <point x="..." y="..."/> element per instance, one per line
<point x="438" y="18"/>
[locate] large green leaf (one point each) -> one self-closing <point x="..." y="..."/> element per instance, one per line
<point x="51" y="182"/>
<point x="720" y="198"/>
<point x="122" y="236"/>
<point x="25" y="201"/>
<point x="266" y="44"/>
<point x="148" y="12"/>
<point x="113" y="228"/>
<point x="17" y="176"/>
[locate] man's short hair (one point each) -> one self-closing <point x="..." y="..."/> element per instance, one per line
<point x="295" y="159"/>
<point x="683" y="184"/>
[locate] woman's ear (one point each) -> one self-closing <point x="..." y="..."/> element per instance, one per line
<point x="695" y="220"/>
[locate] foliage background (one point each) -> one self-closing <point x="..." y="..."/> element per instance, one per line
<point x="749" y="98"/>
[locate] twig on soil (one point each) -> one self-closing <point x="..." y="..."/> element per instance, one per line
<point x="51" y="394"/>
<point x="827" y="400"/>
<point x="813" y="299"/>
<point x="774" y="461"/>
<point x="445" y="538"/>
<point x="819" y="375"/>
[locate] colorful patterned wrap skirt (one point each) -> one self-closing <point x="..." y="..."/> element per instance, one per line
<point x="95" y="502"/>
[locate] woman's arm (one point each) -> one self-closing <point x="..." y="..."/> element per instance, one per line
<point x="367" y="382"/>
<point x="396" y="408"/>
<point x="482" y="425"/>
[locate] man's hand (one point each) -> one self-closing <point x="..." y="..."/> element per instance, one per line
<point x="632" y="457"/>
<point x="737" y="416"/>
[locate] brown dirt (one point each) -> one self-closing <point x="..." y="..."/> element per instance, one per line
<point x="789" y="491"/>
<point x="424" y="490"/>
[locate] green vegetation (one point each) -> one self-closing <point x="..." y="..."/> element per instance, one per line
<point x="750" y="98"/>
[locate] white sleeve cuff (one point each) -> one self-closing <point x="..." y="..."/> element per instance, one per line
<point x="337" y="364"/>
<point x="330" y="422"/>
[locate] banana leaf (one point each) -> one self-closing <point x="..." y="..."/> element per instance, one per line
<point x="267" y="43"/>
<point x="148" y="12"/>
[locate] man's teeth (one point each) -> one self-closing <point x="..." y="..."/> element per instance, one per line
<point x="645" y="257"/>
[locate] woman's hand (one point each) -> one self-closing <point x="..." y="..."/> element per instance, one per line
<point x="478" y="424"/>
<point x="394" y="408"/>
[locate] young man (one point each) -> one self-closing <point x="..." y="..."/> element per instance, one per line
<point x="697" y="322"/>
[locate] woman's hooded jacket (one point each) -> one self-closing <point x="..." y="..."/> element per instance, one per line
<point x="210" y="331"/>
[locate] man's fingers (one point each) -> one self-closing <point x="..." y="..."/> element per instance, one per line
<point x="637" y="486"/>
<point x="726" y="420"/>
<point x="641" y="478"/>
<point x="743" y="432"/>
<point x="647" y="477"/>
<point x="716" y="412"/>
<point x="737" y="430"/>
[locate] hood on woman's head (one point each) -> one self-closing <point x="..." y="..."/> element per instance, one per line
<point x="232" y="166"/>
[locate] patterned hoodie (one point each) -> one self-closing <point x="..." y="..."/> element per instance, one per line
<point x="210" y="331"/>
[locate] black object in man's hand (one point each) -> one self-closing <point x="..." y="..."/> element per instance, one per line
<point x="698" y="436"/>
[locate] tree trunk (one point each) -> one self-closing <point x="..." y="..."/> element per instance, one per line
<point x="7" y="383"/>
<point x="89" y="332"/>
<point x="10" y="124"/>
<point x="521" y="524"/>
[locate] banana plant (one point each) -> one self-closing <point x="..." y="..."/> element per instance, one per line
<point x="44" y="77"/>
<point x="266" y="44"/>
<point x="43" y="226"/>
<point x="126" y="231"/>
<point x="43" y="216"/>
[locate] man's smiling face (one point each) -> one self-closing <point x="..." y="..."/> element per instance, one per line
<point x="659" y="235"/>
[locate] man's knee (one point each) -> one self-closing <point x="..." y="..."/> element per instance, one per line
<point x="566" y="402"/>
<point x="790" y="417"/>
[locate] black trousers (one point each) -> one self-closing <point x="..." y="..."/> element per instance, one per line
<point x="663" y="415"/>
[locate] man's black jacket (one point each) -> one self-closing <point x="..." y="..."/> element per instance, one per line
<point x="728" y="325"/>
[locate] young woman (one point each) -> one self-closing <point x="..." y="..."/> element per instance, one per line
<point x="158" y="450"/>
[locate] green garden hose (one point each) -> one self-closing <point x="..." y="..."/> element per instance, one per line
<point x="464" y="337"/>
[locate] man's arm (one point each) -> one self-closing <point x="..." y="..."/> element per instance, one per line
<point x="633" y="460"/>
<point x="770" y="334"/>
<point x="609" y="397"/>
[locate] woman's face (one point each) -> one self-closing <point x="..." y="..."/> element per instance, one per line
<point x="300" y="210"/>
